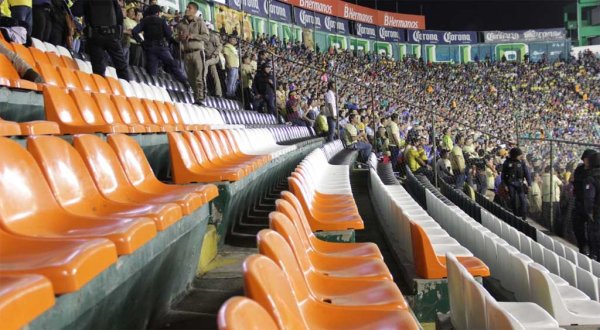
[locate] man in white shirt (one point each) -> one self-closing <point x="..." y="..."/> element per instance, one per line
<point x="331" y="110"/>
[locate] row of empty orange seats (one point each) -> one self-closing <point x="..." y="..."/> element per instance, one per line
<point x="299" y="283"/>
<point x="68" y="211"/>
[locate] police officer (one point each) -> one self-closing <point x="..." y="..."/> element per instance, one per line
<point x="514" y="175"/>
<point x="156" y="33"/>
<point x="591" y="205"/>
<point x="579" y="218"/>
<point x="264" y="89"/>
<point x="104" y="29"/>
<point x="212" y="50"/>
<point x="193" y="34"/>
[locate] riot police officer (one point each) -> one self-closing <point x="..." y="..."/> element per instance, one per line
<point x="103" y="31"/>
<point x="156" y="33"/>
<point x="514" y="175"/>
<point x="591" y="205"/>
<point x="579" y="217"/>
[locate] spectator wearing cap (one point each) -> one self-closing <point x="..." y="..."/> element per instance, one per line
<point x="264" y="89"/>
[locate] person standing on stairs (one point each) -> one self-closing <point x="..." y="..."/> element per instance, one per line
<point x="193" y="35"/>
<point x="157" y="34"/>
<point x="104" y="30"/>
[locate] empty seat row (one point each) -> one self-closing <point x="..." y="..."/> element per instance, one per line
<point x="304" y="283"/>
<point x="244" y="117"/>
<point x="284" y="134"/>
<point x="513" y="268"/>
<point x="415" y="236"/>
<point x="325" y="193"/>
<point x="567" y="266"/>
<point x="473" y="307"/>
<point x="68" y="211"/>
<point x="38" y="127"/>
<point x="208" y="118"/>
<point x="225" y="155"/>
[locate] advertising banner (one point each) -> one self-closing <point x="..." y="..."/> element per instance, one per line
<point x="311" y="20"/>
<point x="365" y="31"/>
<point x="229" y="20"/>
<point x="360" y="14"/>
<point x="390" y="34"/>
<point x="524" y="35"/>
<point x="428" y="37"/>
<point x="274" y="10"/>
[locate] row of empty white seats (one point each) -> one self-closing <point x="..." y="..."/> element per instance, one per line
<point x="580" y="260"/>
<point x="84" y="66"/>
<point x="326" y="178"/>
<point x="513" y="268"/>
<point x="397" y="209"/>
<point x="260" y="141"/>
<point x="145" y="91"/>
<point x="566" y="268"/>
<point x="472" y="307"/>
<point x="192" y="114"/>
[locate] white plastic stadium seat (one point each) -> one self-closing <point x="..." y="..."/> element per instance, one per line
<point x="50" y="48"/>
<point x="62" y="51"/>
<point x="37" y="43"/>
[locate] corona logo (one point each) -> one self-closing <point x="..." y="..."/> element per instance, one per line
<point x="388" y="34"/>
<point x="419" y="36"/>
<point x="362" y="30"/>
<point x="450" y="37"/>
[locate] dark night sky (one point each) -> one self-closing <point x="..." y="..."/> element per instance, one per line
<point x="478" y="15"/>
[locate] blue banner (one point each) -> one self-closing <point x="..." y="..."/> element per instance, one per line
<point x="365" y="31"/>
<point x="524" y="35"/>
<point x="429" y="37"/>
<point x="388" y="34"/>
<point x="312" y="20"/>
<point x="274" y="10"/>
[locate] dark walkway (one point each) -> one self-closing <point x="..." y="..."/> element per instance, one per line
<point x="373" y="231"/>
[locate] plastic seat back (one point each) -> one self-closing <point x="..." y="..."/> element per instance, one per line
<point x="39" y="56"/>
<point x="61" y="108"/>
<point x="456" y="293"/>
<point x="65" y="171"/>
<point x="86" y="81"/>
<point x="164" y="113"/>
<point x="115" y="86"/>
<point x="542" y="291"/>
<point x="271" y="244"/>
<point x="103" y="164"/>
<point x="153" y="113"/>
<point x="475" y="304"/>
<point x="124" y="109"/>
<point x="497" y="318"/>
<point x="69" y="78"/>
<point x="27" y="200"/>
<point x="427" y="264"/>
<point x="107" y="108"/>
<point x="50" y="75"/>
<point x="283" y="225"/>
<point x="55" y="59"/>
<point x="24" y="53"/>
<point x="241" y="313"/>
<point x="69" y="63"/>
<point x="132" y="159"/>
<point x="101" y="84"/>
<point x="8" y="74"/>
<point x="90" y="112"/>
<point x="198" y="149"/>
<point x="266" y="284"/>
<point x="140" y="111"/>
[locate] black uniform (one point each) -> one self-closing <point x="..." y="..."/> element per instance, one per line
<point x="104" y="29"/>
<point x="591" y="207"/>
<point x="513" y="173"/>
<point x="156" y="33"/>
<point x="579" y="216"/>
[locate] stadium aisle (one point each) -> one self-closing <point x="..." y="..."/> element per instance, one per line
<point x="198" y="309"/>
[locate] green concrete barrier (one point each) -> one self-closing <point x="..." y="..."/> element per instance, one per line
<point x="139" y="288"/>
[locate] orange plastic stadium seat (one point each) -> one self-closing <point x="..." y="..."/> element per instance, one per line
<point x="86" y="81"/>
<point x="223" y="152"/>
<point x="333" y="266"/>
<point x="290" y="206"/>
<point x="206" y="157"/>
<point x="10" y="77"/>
<point x="431" y="266"/>
<point x="232" y="150"/>
<point x="241" y="313"/>
<point x="101" y="84"/>
<point x="114" y="84"/>
<point x="23" y="298"/>
<point x="155" y="116"/>
<point x="337" y="203"/>
<point x="9" y="128"/>
<point x="127" y="114"/>
<point x="68" y="263"/>
<point x="167" y="116"/>
<point x="343" y="292"/>
<point x="142" y="115"/>
<point x="213" y="155"/>
<point x="69" y="63"/>
<point x="111" y="179"/>
<point x="264" y="159"/>
<point x="24" y="53"/>
<point x="39" y="56"/>
<point x="50" y="75"/>
<point x="55" y="60"/>
<point x="324" y="220"/>
<point x="178" y="120"/>
<point x="111" y="114"/>
<point x="185" y="167"/>
<point x="69" y="78"/>
<point x="75" y="190"/>
<point x="39" y="127"/>
<point x="140" y="174"/>
<point x="31" y="210"/>
<point x="268" y="285"/>
<point x="92" y="114"/>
